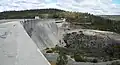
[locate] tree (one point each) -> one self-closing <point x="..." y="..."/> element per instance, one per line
<point x="62" y="59"/>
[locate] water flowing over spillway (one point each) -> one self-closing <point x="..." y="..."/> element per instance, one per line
<point x="17" y="48"/>
<point x="43" y="33"/>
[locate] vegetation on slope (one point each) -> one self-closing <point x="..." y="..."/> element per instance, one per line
<point x="112" y="17"/>
<point x="28" y="13"/>
<point x="91" y="48"/>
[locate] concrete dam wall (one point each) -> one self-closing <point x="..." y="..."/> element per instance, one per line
<point x="17" y="48"/>
<point x="43" y="32"/>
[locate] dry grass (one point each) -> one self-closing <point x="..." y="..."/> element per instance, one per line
<point x="52" y="63"/>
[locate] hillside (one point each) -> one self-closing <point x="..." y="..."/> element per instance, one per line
<point x="28" y="13"/>
<point x="112" y="17"/>
<point x="75" y="18"/>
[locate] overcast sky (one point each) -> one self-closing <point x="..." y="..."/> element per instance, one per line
<point x="97" y="7"/>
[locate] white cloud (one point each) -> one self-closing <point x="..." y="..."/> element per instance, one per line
<point x="92" y="6"/>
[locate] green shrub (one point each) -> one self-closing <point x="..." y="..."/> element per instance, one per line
<point x="78" y="58"/>
<point x="53" y="49"/>
<point x="49" y="51"/>
<point x="72" y="56"/>
<point x="116" y="63"/>
<point x="94" y="61"/>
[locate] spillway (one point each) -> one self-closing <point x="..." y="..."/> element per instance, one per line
<point x="43" y="32"/>
<point x="17" y="48"/>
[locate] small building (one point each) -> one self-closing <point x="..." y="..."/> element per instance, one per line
<point x="37" y="17"/>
